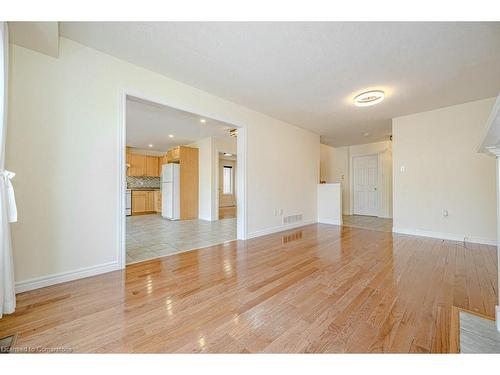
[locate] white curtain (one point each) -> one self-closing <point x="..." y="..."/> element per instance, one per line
<point x="8" y="211"/>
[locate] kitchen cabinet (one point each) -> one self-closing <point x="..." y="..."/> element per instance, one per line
<point x="189" y="182"/>
<point x="143" y="201"/>
<point x="139" y="199"/>
<point x="152" y="166"/>
<point x="137" y="165"/>
<point x="173" y="155"/>
<point x="187" y="158"/>
<point x="157" y="201"/>
<point x="142" y="165"/>
<point x="163" y="160"/>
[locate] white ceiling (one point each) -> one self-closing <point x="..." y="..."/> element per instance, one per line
<point x="150" y="123"/>
<point x="307" y="73"/>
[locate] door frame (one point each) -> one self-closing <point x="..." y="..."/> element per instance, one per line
<point x="242" y="152"/>
<point x="351" y="181"/>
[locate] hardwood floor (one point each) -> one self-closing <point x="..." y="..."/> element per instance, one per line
<point x="227" y="212"/>
<point x="367" y="222"/>
<point x="319" y="289"/>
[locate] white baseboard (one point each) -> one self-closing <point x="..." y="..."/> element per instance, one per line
<point x="445" y="236"/>
<point x="497" y="317"/>
<point x="332" y="222"/>
<point x="40" y="282"/>
<point x="279" y="228"/>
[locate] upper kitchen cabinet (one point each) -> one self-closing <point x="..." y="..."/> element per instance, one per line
<point x="152" y="166"/>
<point x="176" y="154"/>
<point x="142" y="165"/>
<point x="137" y="165"/>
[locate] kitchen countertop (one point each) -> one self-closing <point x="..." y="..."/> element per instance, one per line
<point x="143" y="189"/>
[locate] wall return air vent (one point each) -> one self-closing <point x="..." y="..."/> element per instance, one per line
<point x="292" y="219"/>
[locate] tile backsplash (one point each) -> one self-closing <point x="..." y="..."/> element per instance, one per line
<point x="142" y="182"/>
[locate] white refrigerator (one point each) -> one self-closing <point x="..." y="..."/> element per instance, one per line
<point x="170" y="191"/>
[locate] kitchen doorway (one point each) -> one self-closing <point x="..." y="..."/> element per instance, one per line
<point x="166" y="136"/>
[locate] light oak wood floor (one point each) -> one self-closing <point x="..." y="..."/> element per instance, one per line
<point x="367" y="222"/>
<point x="227" y="212"/>
<point x="319" y="289"/>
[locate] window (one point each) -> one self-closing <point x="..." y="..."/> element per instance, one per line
<point x="227" y="180"/>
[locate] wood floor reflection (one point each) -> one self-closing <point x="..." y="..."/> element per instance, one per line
<point x="227" y="212"/>
<point x="328" y="289"/>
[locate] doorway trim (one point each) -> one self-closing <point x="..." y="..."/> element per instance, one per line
<point x="351" y="181"/>
<point x="242" y="211"/>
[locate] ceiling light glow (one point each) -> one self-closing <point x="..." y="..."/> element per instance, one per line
<point x="170" y="136"/>
<point x="150" y="145"/>
<point x="368" y="98"/>
<point x="203" y="120"/>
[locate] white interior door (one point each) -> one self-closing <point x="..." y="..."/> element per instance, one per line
<point x="365" y="170"/>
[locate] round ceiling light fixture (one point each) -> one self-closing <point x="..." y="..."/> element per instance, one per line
<point x="368" y="98"/>
<point x="170" y="136"/>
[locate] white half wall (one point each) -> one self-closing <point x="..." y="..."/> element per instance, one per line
<point x="437" y="168"/>
<point x="63" y="143"/>
<point x="330" y="204"/>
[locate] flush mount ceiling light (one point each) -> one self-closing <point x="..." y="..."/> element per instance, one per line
<point x="203" y="120"/>
<point x="170" y="136"/>
<point x="150" y="145"/>
<point x="368" y="98"/>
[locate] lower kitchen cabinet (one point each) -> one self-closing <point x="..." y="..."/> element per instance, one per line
<point x="157" y="201"/>
<point x="143" y="201"/>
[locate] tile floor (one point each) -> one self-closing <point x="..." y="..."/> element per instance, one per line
<point x="367" y="222"/>
<point x="478" y="335"/>
<point x="151" y="236"/>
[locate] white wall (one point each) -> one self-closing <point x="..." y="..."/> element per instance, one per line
<point x="336" y="167"/>
<point x="443" y="171"/>
<point x="226" y="144"/>
<point x="64" y="115"/>
<point x="206" y="182"/>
